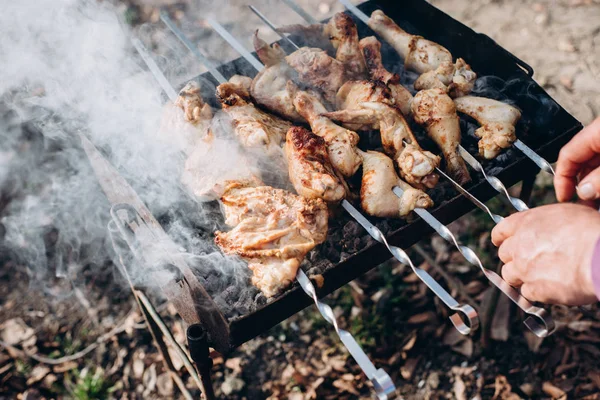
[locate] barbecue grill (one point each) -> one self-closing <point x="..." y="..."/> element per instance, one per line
<point x="545" y="127"/>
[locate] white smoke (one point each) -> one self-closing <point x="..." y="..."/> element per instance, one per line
<point x="67" y="66"/>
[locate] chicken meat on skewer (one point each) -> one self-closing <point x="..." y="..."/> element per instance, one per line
<point x="435" y="110"/>
<point x="272" y="230"/>
<point x="318" y="70"/>
<point x="272" y="87"/>
<point x="365" y="105"/>
<point x="431" y="60"/>
<point x="341" y="143"/>
<point x="376" y="195"/>
<point x="371" y="48"/>
<point x="309" y="168"/>
<point x="341" y="33"/>
<point x="253" y="127"/>
<point x="497" y="122"/>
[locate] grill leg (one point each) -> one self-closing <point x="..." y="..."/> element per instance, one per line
<point x="527" y="186"/>
<point x="198" y="344"/>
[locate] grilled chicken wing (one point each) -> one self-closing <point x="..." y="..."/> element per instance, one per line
<point x="309" y="168"/>
<point x="425" y="57"/>
<point x="318" y="70"/>
<point x="341" y="33"/>
<point x="341" y="143"/>
<point x="253" y="127"/>
<point x="272" y="87"/>
<point x="416" y="165"/>
<point x="379" y="178"/>
<point x="371" y="48"/>
<point x="273" y="230"/>
<point x="497" y="122"/>
<point x="435" y="110"/>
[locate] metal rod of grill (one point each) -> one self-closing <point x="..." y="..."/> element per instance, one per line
<point x="538" y="321"/>
<point x="382" y="382"/>
<point x="468" y="312"/>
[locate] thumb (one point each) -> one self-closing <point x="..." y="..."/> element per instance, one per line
<point x="589" y="187"/>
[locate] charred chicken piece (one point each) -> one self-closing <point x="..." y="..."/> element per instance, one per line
<point x="497" y="122"/>
<point x="253" y="127"/>
<point x="416" y="165"/>
<point x="371" y="48"/>
<point x="273" y="230"/>
<point x="341" y="33"/>
<point x="435" y="110"/>
<point x="379" y="178"/>
<point x="341" y="143"/>
<point x="318" y="70"/>
<point x="309" y="168"/>
<point x="425" y="57"/>
<point x="272" y="87"/>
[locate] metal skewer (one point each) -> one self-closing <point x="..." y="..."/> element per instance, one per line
<point x="156" y="72"/>
<point x="383" y="384"/>
<point x="164" y="16"/>
<point x="397" y="252"/>
<point x="539" y="321"/>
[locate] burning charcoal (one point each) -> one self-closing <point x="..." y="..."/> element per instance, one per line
<point x="352" y="228"/>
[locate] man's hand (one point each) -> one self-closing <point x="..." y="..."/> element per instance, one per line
<point x="578" y="161"/>
<point x="547" y="252"/>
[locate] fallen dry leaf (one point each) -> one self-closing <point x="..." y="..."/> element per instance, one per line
<point x="64" y="367"/>
<point x="419" y="319"/>
<point x="500" y="329"/>
<point x="38" y="373"/>
<point x="459" y="388"/>
<point x="345" y="386"/>
<point x="234" y="364"/>
<point x="503" y="389"/>
<point x="16" y="332"/>
<point x="553" y="391"/>
<point x="409" y="367"/>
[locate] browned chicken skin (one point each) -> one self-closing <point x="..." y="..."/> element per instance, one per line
<point x="435" y="110"/>
<point x="340" y="33"/>
<point x="497" y="122"/>
<point x="376" y="196"/>
<point x="272" y="229"/>
<point x="365" y="105"/>
<point x="341" y="143"/>
<point x="272" y="87"/>
<point x="253" y="127"/>
<point x="309" y="168"/>
<point x="318" y="70"/>
<point x="371" y="48"/>
<point x="425" y="57"/>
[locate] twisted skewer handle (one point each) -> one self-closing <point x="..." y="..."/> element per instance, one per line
<point x="535" y="157"/>
<point x="382" y="382"/>
<point x="469" y="312"/>
<point x="539" y="321"/>
<point x="517" y="203"/>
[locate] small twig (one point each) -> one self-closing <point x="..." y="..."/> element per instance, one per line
<point x="186" y="394"/>
<point x="71" y="357"/>
<point x="456" y="284"/>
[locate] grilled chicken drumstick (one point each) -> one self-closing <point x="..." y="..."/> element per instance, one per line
<point x="376" y="196"/>
<point x="365" y="105"/>
<point x="273" y="230"/>
<point x="309" y="168"/>
<point x="497" y="122"/>
<point x="434" y="110"/>
<point x="371" y="48"/>
<point x="341" y="143"/>
<point x="341" y="33"/>
<point x="425" y="57"/>
<point x="272" y="87"/>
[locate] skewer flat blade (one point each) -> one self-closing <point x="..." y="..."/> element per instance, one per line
<point x="233" y="42"/>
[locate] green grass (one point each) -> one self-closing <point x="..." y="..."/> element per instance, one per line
<point x="87" y="386"/>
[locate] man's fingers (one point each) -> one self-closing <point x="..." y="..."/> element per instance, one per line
<point x="542" y="291"/>
<point x="581" y="149"/>
<point x="589" y="187"/>
<point x="506" y="228"/>
<point x="506" y="250"/>
<point x="511" y="275"/>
